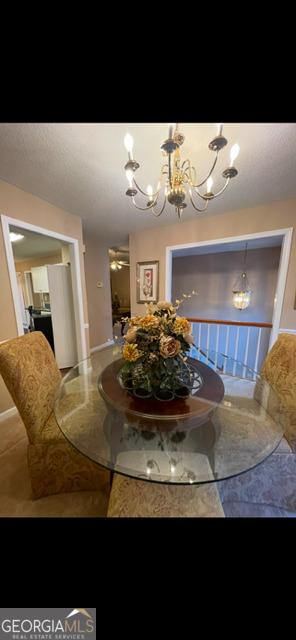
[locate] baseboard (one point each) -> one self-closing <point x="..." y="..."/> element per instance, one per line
<point x="102" y="346"/>
<point x="8" y="414"/>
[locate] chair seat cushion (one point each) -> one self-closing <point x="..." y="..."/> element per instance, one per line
<point x="271" y="483"/>
<point x="137" y="498"/>
<point x="252" y="510"/>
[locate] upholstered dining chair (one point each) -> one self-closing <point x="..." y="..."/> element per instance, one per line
<point x="31" y="374"/>
<point x="267" y="490"/>
<point x="270" y="488"/>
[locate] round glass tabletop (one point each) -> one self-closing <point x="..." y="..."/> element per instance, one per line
<point x="228" y="424"/>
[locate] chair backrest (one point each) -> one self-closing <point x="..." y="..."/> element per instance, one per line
<point x="279" y="370"/>
<point x="31" y="374"/>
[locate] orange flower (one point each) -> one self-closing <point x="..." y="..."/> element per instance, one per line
<point x="149" y="322"/>
<point x="131" y="352"/>
<point x="182" y="326"/>
<point x="135" y="321"/>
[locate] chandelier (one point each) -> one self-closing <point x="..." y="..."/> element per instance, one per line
<point x="177" y="176"/>
<point x="241" y="290"/>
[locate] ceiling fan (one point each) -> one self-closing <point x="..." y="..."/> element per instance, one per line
<point x="116" y="264"/>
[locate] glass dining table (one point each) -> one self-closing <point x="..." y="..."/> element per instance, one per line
<point x="227" y="425"/>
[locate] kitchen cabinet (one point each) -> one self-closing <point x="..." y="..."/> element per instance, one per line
<point x="40" y="279"/>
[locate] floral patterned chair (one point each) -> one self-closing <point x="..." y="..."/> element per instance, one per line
<point x="31" y="374"/>
<point x="137" y="498"/>
<point x="270" y="488"/>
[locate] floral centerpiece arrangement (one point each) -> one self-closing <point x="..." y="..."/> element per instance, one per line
<point x="155" y="353"/>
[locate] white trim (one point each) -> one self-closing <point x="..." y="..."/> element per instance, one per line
<point x="78" y="300"/>
<point x="280" y="285"/>
<point x="75" y="272"/>
<point x="293" y="331"/>
<point x="282" y="270"/>
<point x="99" y="347"/>
<point x="249" y="236"/>
<point x="8" y="413"/>
<point x="168" y="272"/>
<point x="12" y="275"/>
<point x="32" y="227"/>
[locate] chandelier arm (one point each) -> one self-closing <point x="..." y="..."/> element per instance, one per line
<point x="215" y="194"/>
<point x="196" y="208"/>
<point x="209" y="174"/>
<point x="143" y="208"/>
<point x="148" y="195"/>
<point x="183" y="164"/>
<point x="223" y="188"/>
<point x="161" y="210"/>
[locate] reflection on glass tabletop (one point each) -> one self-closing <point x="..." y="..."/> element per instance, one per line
<point x="228" y="424"/>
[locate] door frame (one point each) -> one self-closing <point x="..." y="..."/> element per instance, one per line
<point x="282" y="269"/>
<point x="75" y="274"/>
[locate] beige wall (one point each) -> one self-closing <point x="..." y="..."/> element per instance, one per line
<point x="23" y="206"/>
<point x="26" y="265"/>
<point x="213" y="276"/>
<point x="120" y="283"/>
<point x="97" y="269"/>
<point x="151" y="244"/>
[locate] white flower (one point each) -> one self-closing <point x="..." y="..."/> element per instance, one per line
<point x="169" y="347"/>
<point x="163" y="304"/>
<point x="131" y="335"/>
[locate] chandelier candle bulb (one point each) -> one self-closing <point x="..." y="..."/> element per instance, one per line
<point x="150" y="193"/>
<point x="129" y="143"/>
<point x="210" y="183"/>
<point x="219" y="129"/>
<point x="234" y="151"/>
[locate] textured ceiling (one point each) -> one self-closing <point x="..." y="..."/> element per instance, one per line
<point x="80" y="168"/>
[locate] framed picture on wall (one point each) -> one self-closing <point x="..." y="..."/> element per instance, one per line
<point x="147" y="281"/>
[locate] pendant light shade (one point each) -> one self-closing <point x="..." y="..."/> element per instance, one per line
<point x="241" y="289"/>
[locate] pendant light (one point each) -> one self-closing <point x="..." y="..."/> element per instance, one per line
<point x="241" y="290"/>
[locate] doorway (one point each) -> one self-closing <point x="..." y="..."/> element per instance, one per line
<point x="44" y="270"/>
<point x="120" y="287"/>
<point x="246" y="337"/>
